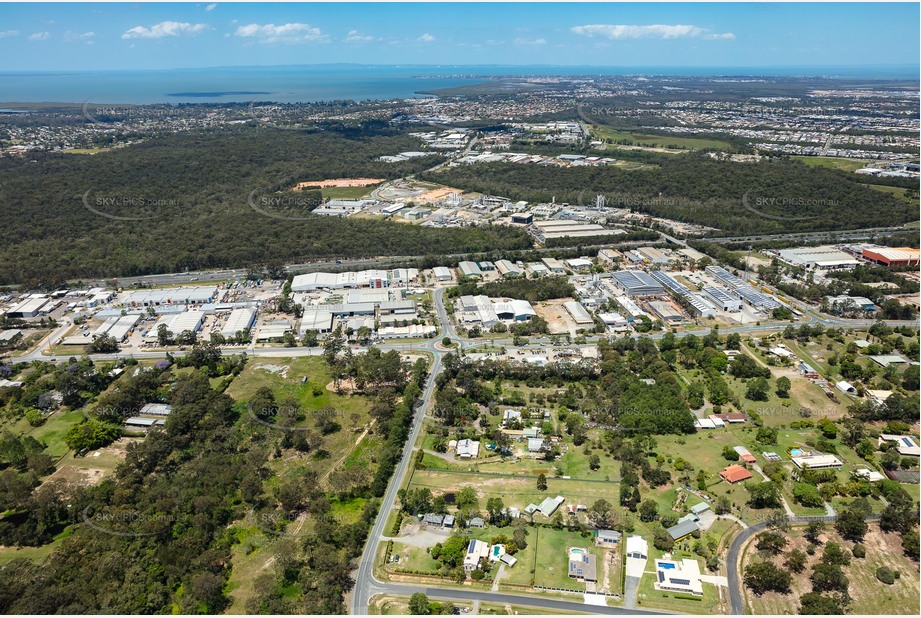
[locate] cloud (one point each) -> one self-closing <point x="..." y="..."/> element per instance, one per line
<point x="654" y="31"/>
<point x="530" y="41"/>
<point x="8" y="33"/>
<point x="211" y="7"/>
<point x="426" y="38"/>
<point x="40" y="36"/>
<point x="287" y="33"/>
<point x="726" y="36"/>
<point x="74" y="37"/>
<point x="354" y="36"/>
<point x="164" y="29"/>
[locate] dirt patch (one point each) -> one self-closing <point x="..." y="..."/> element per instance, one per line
<point x="281" y="370"/>
<point x="339" y="182"/>
<point x="558" y="320"/>
<point x="436" y="195"/>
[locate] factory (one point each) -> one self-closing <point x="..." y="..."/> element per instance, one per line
<point x="486" y="311"/>
<point x="239" y="320"/>
<point x="319" y="320"/>
<point x="442" y="273"/>
<point x="508" y="269"/>
<point x="29" y="308"/>
<point x="561" y="228"/>
<point x="579" y="314"/>
<point x="470" y="270"/>
<point x="171" y="296"/>
<point x="554" y="265"/>
<point x="722" y="299"/>
<point x="818" y="258"/>
<point x="742" y="289"/>
<point x="637" y="283"/>
<point x="666" y="312"/>
<point x="840" y="304"/>
<point x="178" y="323"/>
<point x="887" y="256"/>
<point x="338" y="281"/>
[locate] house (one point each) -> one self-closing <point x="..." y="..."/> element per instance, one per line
<point x="870" y="475"/>
<point x="531" y="432"/>
<point x="816" y="462"/>
<point x="607" y="538"/>
<point x="467" y="449"/>
<point x="509" y="560"/>
<point x="448" y="521"/>
<point x="683" y="576"/>
<point x="735" y="474"/>
<point x="476" y="551"/>
<point x="476" y="522"/>
<point x="903" y="444"/>
<point x="682" y="529"/>
<point x="433" y="519"/>
<point x="704" y="423"/>
<point x="511" y="415"/>
<point x="582" y="565"/>
<point x="732" y="417"/>
<point x="535" y="445"/>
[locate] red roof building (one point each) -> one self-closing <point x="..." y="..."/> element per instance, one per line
<point x="735" y="474"/>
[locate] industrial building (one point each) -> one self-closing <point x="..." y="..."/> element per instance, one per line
<point x="508" y="269"/>
<point x="560" y="228"/>
<point x="888" y="256"/>
<point x="483" y="310"/>
<point x="537" y="269"/>
<point x="579" y="264"/>
<point x="554" y="265"/>
<point x="239" y="320"/>
<point x="442" y="273"/>
<point x="333" y="281"/>
<point x="28" y="308"/>
<point x="743" y="289"/>
<point x="818" y="258"/>
<point x="666" y="312"/>
<point x="470" y="270"/>
<point x="172" y="296"/>
<point x="840" y="304"/>
<point x="637" y="283"/>
<point x="653" y="255"/>
<point x="579" y="314"/>
<point x="178" y="323"/>
<point x="722" y="299"/>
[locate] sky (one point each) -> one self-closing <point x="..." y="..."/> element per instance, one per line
<point x="100" y="36"/>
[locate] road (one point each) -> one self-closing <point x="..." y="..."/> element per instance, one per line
<point x="736" y="596"/>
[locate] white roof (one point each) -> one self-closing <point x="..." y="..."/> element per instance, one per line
<point x="817" y="461"/>
<point x="637" y="545"/>
<point x="239" y="319"/>
<point x="578" y="312"/>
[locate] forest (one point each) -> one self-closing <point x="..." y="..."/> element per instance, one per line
<point x="785" y="196"/>
<point x="185" y="201"/>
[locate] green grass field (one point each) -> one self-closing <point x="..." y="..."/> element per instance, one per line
<point x="346" y="193"/>
<point x="899" y="192"/>
<point x="845" y="165"/>
<point x="658" y="141"/>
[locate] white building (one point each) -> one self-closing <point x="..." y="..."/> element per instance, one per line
<point x="675" y="576"/>
<point x="476" y="551"/>
<point x="467" y="449"/>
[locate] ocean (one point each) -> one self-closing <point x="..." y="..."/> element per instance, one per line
<point x="292" y="84"/>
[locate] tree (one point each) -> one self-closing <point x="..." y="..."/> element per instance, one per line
<point x="767" y="435"/>
<point x="771" y="542"/>
<point x="419" y="604"/>
<point x="834" y="554"/>
<point x="662" y="540"/>
<point x="649" y="511"/>
<point x="520" y="536"/>
<point x="783" y="387"/>
<point x="763" y="577"/>
<point x="542" y="482"/>
<point x="600" y="513"/>
<point x="764" y="495"/>
<point x="757" y="389"/>
<point x="850" y="525"/>
<point x="796" y="560"/>
<point x="730" y="454"/>
<point x="887" y="575"/>
<point x="813" y="603"/>
<point x="807" y="495"/>
<point x="466" y="498"/>
<point x="813" y="532"/>
<point x="828" y="578"/>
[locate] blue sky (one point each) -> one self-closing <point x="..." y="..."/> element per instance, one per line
<point x="90" y="36"/>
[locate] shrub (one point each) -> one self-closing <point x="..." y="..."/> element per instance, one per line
<point x="887" y="575"/>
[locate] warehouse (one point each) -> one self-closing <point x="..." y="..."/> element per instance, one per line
<point x="722" y="299"/>
<point x="579" y="315"/>
<point x="172" y="296"/>
<point x="538" y="269"/>
<point x="637" y="283"/>
<point x="273" y="331"/>
<point x="507" y="269"/>
<point x="516" y="310"/>
<point x="178" y="323"/>
<point x="840" y="304"/>
<point x="666" y="312"/>
<point x="819" y="258"/>
<point x="581" y="264"/>
<point x="122" y="327"/>
<point x="413" y="331"/>
<point x="633" y="310"/>
<point x="613" y="320"/>
<point x="28" y="308"/>
<point x="887" y="256"/>
<point x="404" y="275"/>
<point x="470" y="270"/>
<point x="9" y="336"/>
<point x="554" y="265"/>
<point x="442" y="273"/>
<point x="239" y="320"/>
<point x="653" y="255"/>
<point x="700" y="305"/>
<point x="561" y="228"/>
<point x="335" y="281"/>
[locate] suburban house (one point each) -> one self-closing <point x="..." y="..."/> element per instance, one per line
<point x="735" y="474"/>
<point x="903" y="444"/>
<point x="682" y="529"/>
<point x="683" y="576"/>
<point x="607" y="538"/>
<point x="467" y="449"/>
<point x="816" y="462"/>
<point x="582" y="565"/>
<point x="476" y="551"/>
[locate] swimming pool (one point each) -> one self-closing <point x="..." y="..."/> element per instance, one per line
<point x="796" y="452"/>
<point x="576" y="552"/>
<point x="666" y="565"/>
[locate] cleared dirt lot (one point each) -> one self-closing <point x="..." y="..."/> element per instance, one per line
<point x="339" y="182"/>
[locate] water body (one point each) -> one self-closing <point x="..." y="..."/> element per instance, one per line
<point x="292" y="84"/>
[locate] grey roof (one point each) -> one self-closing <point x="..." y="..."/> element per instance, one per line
<point x="476" y="522"/>
<point x="681" y="530"/>
<point x="433" y="518"/>
<point x="609" y="534"/>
